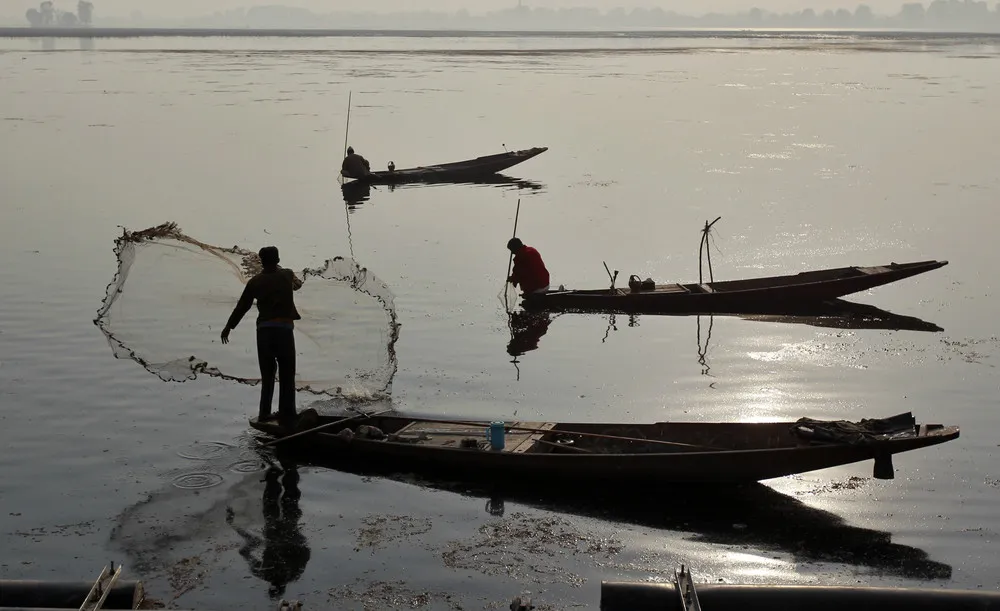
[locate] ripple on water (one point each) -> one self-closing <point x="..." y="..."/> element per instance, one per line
<point x="197" y="481"/>
<point x="247" y="466"/>
<point x="205" y="450"/>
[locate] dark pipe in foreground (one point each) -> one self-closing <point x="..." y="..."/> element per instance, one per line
<point x="65" y="594"/>
<point x="622" y="596"/>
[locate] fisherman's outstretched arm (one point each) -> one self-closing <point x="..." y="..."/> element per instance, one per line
<point x="242" y="307"/>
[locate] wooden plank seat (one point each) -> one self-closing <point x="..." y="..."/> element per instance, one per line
<point x="450" y="435"/>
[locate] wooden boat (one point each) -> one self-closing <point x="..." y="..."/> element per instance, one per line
<point x="458" y="171"/>
<point x="756" y="295"/>
<point x="641" y="453"/>
<point x="645" y="596"/>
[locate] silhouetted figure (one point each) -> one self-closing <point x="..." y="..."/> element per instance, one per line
<point x="286" y="551"/>
<point x="272" y="289"/>
<point x="354" y="165"/>
<point x="529" y="269"/>
<point x="527" y="329"/>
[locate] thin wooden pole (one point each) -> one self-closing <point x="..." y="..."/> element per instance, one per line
<point x="510" y="260"/>
<point x="347" y="130"/>
<point x="517" y="214"/>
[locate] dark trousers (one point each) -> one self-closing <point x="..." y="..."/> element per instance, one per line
<point x="276" y="354"/>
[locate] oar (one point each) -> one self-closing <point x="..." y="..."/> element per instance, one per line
<point x="578" y="433"/>
<point x="324" y="426"/>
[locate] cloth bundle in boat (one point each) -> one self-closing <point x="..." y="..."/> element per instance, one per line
<point x="854" y="433"/>
<point x="172" y="295"/>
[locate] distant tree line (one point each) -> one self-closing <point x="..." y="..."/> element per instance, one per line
<point x="47" y="15"/>
<point x="947" y="15"/>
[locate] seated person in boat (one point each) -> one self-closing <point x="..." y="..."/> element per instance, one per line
<point x="529" y="269"/>
<point x="355" y="166"/>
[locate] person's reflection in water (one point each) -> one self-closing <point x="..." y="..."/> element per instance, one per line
<point x="356" y="193"/>
<point x="527" y="329"/>
<point x="286" y="551"/>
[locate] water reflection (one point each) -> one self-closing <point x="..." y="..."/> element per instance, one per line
<point x="836" y="314"/>
<point x="234" y="496"/>
<point x="753" y="514"/>
<point x="842" y="314"/>
<point x="526" y="330"/>
<point x="356" y="193"/>
<point x="285" y="549"/>
<point x="528" y="326"/>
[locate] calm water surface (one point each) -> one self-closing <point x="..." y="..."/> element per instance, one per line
<point x="815" y="153"/>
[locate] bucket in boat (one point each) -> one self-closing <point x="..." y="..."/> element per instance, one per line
<point x="496" y="435"/>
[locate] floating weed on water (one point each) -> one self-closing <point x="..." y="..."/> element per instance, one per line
<point x="78" y="529"/>
<point x="380" y="595"/>
<point x="852" y="483"/>
<point x="378" y="531"/>
<point x="590" y="181"/>
<point x="529" y="548"/>
<point x="185" y="575"/>
<point x="970" y="350"/>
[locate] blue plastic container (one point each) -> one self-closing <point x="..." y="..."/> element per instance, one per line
<point x="497" y="435"/>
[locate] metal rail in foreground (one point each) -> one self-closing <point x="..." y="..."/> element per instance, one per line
<point x="686" y="590"/>
<point x="101" y="588"/>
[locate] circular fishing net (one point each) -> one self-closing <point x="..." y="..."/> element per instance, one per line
<point x="172" y="295"/>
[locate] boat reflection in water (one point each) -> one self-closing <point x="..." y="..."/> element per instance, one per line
<point x="768" y="520"/>
<point x="356" y="192"/>
<point x="528" y="326"/>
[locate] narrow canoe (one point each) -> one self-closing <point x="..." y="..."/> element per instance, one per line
<point x="458" y="171"/>
<point x="613" y="453"/>
<point x="755" y="295"/>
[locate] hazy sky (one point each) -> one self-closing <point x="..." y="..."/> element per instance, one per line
<point x="186" y="8"/>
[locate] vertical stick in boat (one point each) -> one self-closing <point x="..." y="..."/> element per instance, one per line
<point x="347" y="129"/>
<point x="510" y="260"/>
<point x="702" y="246"/>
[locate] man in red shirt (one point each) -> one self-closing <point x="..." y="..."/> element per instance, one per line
<point x="529" y="269"/>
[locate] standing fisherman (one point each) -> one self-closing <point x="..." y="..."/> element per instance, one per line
<point x="272" y="288"/>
